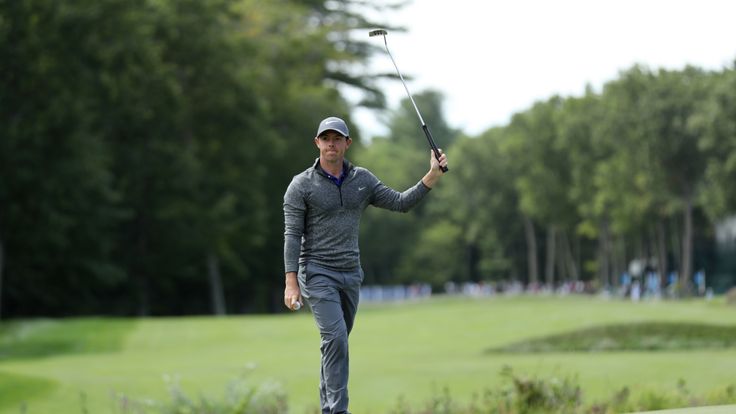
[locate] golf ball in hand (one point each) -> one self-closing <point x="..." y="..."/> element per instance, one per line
<point x="297" y="306"/>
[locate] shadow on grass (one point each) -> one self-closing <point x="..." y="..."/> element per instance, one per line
<point x="647" y="336"/>
<point x="50" y="337"/>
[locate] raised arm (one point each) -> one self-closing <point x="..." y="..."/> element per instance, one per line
<point x="388" y="198"/>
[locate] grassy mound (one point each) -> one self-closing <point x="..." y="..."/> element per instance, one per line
<point x="647" y="336"/>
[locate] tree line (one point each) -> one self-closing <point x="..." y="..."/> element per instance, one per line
<point x="145" y="147"/>
<point x="572" y="188"/>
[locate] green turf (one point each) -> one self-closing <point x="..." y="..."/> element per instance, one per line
<point x="406" y="350"/>
<point x="14" y="389"/>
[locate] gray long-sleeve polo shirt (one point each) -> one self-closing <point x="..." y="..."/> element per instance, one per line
<point x="322" y="219"/>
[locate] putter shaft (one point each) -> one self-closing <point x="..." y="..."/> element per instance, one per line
<point x="425" y="128"/>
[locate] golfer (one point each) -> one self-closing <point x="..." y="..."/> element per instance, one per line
<point x="322" y="209"/>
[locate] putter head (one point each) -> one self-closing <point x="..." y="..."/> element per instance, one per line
<point x="377" y="32"/>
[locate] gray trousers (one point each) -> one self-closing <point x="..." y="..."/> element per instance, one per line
<point x="333" y="297"/>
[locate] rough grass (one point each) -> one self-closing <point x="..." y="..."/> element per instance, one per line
<point x="522" y="394"/>
<point x="646" y="336"/>
<point x="519" y="394"/>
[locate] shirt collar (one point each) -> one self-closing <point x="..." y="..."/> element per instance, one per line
<point x="347" y="166"/>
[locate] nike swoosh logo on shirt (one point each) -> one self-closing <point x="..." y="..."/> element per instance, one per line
<point x="361" y="188"/>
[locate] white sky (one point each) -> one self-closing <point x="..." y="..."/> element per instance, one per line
<point x="494" y="58"/>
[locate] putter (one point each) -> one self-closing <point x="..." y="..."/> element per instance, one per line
<point x="425" y="128"/>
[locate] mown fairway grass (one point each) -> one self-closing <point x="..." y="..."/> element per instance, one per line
<point x="409" y="350"/>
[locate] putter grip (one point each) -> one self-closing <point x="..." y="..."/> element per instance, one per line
<point x="433" y="146"/>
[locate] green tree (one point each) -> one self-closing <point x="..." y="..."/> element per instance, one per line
<point x="677" y="97"/>
<point x="57" y="200"/>
<point x="481" y="201"/>
<point x="718" y="140"/>
<point x="399" y="167"/>
<point x="544" y="180"/>
<point x="579" y="138"/>
<point x="146" y="146"/>
<point x="658" y="168"/>
<point x="400" y="160"/>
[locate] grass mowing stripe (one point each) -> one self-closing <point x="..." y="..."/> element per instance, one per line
<point x="15" y="389"/>
<point x="49" y="337"/>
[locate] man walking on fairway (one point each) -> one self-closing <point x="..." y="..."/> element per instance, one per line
<point x="322" y="209"/>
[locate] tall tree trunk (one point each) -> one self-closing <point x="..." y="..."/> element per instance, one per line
<point x="531" y="251"/>
<point x="604" y="255"/>
<point x="619" y="259"/>
<point x="661" y="253"/>
<point x="2" y="266"/>
<point x="578" y="256"/>
<point x="143" y="295"/>
<point x="141" y="277"/>
<point x="675" y="244"/>
<point x="560" y="264"/>
<point x="687" y="246"/>
<point x="563" y="275"/>
<point x="549" y="265"/>
<point x="472" y="255"/>
<point x="651" y="251"/>
<point x="571" y="267"/>
<point x="215" y="281"/>
<point x="140" y="269"/>
<point x="641" y="249"/>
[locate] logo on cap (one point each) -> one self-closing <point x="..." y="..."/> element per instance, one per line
<point x="334" y="124"/>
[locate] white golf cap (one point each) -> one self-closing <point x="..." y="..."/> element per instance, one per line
<point x="335" y="124"/>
